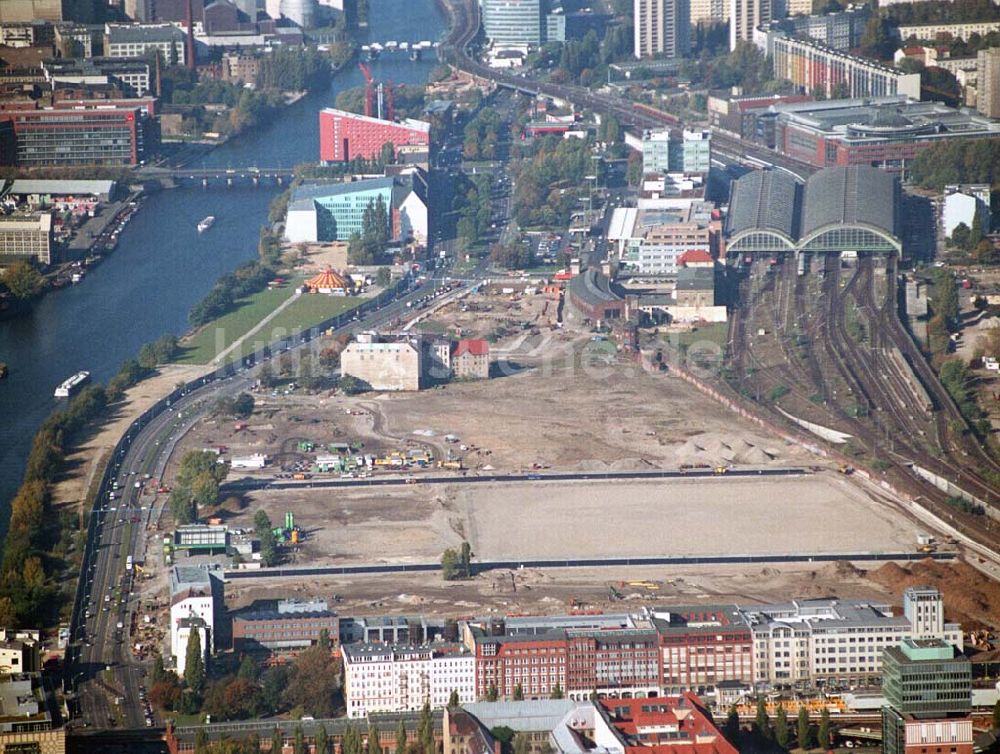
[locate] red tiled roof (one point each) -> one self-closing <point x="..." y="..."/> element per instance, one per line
<point x="695" y="256"/>
<point x="474" y="347"/>
<point x="686" y="714"/>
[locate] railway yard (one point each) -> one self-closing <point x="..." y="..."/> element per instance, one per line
<point x="821" y="341"/>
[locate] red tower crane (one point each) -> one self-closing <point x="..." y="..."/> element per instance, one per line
<point x="369" y="90"/>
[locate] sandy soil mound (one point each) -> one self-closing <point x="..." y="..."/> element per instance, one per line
<point x="969" y="597"/>
<point x="717" y="448"/>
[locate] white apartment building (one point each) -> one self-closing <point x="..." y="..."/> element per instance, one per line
<point x="400" y="678"/>
<point x="194" y="593"/>
<point x="837" y="641"/>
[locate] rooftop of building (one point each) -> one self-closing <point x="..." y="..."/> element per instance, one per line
<point x="855" y="195"/>
<point x="766" y="200"/>
<point x="60" y="187"/>
<point x="356" y="651"/>
<point x="84" y="66"/>
<point x="534" y="715"/>
<point x="139" y="33"/>
<point x="924" y="650"/>
<point x="823" y="613"/>
<point x="22" y="698"/>
<point x="662" y="724"/>
<point x="399" y="185"/>
<point x="695" y="256"/>
<point x="594" y="288"/>
<point x="885" y="118"/>
<point x="474" y="347"/>
<point x="696" y="279"/>
<point x="707" y="618"/>
<point x="411" y="123"/>
<point x="190" y="579"/>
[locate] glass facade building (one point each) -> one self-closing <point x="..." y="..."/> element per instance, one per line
<point x="517" y="22"/>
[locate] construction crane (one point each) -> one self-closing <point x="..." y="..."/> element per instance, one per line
<point x="369" y="90"/>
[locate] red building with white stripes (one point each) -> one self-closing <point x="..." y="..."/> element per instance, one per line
<point x="344" y="136"/>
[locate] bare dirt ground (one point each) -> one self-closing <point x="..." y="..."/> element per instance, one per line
<point x="821" y="513"/>
<point x="554" y="591"/>
<point x="81" y="464"/>
<point x="564" y="413"/>
<point x="317" y="257"/>
<point x="523" y="520"/>
<point x="515" y="317"/>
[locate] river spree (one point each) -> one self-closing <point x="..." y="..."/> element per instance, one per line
<point x="162" y="266"/>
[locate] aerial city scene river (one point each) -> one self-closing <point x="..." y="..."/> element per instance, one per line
<point x="499" y="376"/>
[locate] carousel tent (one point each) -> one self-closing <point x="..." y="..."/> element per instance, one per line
<point x="329" y="281"/>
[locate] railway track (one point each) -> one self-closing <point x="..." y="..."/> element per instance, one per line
<point x="903" y="414"/>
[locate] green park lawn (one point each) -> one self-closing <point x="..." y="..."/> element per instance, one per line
<point x="309" y="310"/>
<point x="202" y="347"/>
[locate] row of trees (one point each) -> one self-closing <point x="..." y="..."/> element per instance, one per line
<point x="957" y="161"/>
<point x="246" y="279"/>
<point x="294" y="69"/>
<point x="547" y="183"/>
<point x="807" y="736"/>
<point x="481" y="135"/>
<point x="473" y="206"/>
<point x="38" y="537"/>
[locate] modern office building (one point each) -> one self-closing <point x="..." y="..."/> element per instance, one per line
<point x="400" y="678"/>
<point x="514" y="22"/>
<point x="26" y="237"/>
<point x="745" y="16"/>
<point x="320" y="212"/>
<point x="988" y="86"/>
<point x="656" y="151"/>
<point x="811" y="66"/>
<point x="928" y="690"/>
<point x="138" y="40"/>
<point x="344" y="135"/>
<point x="66" y="137"/>
<point x="702" y="646"/>
<point x="885" y="132"/>
<point x="286" y="628"/>
<point x="661" y="28"/>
